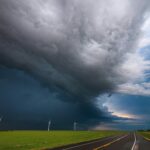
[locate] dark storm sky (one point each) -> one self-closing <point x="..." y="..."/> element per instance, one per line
<point x="58" y="57"/>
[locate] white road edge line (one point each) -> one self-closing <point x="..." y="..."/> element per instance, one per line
<point x="134" y="142"/>
<point x="88" y="143"/>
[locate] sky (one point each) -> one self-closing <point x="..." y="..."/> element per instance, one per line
<point x="75" y="61"/>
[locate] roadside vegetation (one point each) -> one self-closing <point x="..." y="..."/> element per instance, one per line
<point x="146" y="134"/>
<point x="37" y="140"/>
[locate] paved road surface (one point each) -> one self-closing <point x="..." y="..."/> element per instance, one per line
<point x="141" y="143"/>
<point x="130" y="141"/>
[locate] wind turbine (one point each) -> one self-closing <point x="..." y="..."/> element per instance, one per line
<point x="49" y="125"/>
<point x="1" y="118"/>
<point x="75" y="126"/>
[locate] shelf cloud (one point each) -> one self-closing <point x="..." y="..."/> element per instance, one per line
<point x="78" y="49"/>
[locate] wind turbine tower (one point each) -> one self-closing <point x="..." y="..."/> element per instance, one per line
<point x="75" y="126"/>
<point x="49" y="125"/>
<point x="1" y="118"/>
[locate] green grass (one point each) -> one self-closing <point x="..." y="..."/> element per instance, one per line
<point x="35" y="140"/>
<point x="145" y="134"/>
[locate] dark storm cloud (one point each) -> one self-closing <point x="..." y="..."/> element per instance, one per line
<point x="25" y="104"/>
<point x="74" y="48"/>
<point x="68" y="43"/>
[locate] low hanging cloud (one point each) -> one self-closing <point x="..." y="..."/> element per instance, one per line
<point x="78" y="48"/>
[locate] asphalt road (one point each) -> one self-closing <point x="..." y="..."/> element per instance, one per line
<point x="141" y="143"/>
<point x="130" y="141"/>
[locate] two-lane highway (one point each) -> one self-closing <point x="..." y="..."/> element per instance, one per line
<point x="130" y="141"/>
<point x="125" y="143"/>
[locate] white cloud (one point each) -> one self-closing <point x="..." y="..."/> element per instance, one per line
<point x="135" y="89"/>
<point x="136" y="68"/>
<point x="145" y="29"/>
<point x="145" y="41"/>
<point x="133" y="68"/>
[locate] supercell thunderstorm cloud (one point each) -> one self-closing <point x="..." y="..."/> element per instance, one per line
<point x="57" y="57"/>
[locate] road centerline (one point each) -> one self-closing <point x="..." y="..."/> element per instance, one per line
<point x="133" y="146"/>
<point x="105" y="145"/>
<point x="88" y="143"/>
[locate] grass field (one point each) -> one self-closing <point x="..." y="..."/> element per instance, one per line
<point x="36" y="140"/>
<point x="145" y="134"/>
